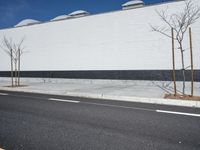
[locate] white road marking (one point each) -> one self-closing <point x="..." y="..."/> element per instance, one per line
<point x="118" y="106"/>
<point x="100" y="104"/>
<point x="63" y="100"/>
<point x="178" y="113"/>
<point x="3" y="94"/>
<point x="110" y="105"/>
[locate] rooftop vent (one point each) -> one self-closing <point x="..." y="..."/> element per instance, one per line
<point x="62" y="17"/>
<point x="27" y="22"/>
<point x="79" y="13"/>
<point x="133" y="4"/>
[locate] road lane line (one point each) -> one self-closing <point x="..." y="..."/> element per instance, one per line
<point x="4" y="94"/>
<point x="178" y="113"/>
<point x="109" y="105"/>
<point x="63" y="100"/>
<point x="118" y="106"/>
<point x="100" y="104"/>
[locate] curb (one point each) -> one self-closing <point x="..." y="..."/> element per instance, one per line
<point x="161" y="101"/>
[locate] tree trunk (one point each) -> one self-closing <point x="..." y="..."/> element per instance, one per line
<point x="19" y="69"/>
<point x="15" y="73"/>
<point x="173" y="62"/>
<point x="183" y="66"/>
<point x="191" y="61"/>
<point x="11" y="67"/>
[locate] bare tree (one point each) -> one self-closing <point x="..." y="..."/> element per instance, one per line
<point x="7" y="47"/>
<point x="14" y="51"/>
<point x="179" y="22"/>
<point x="19" y="50"/>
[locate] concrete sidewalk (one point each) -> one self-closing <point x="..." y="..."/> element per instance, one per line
<point x="123" y="90"/>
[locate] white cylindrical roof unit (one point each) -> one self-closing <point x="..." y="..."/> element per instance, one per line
<point x="61" y="17"/>
<point x="79" y="13"/>
<point x="27" y="22"/>
<point x="132" y="4"/>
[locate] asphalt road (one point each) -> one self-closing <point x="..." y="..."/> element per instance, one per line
<point x="48" y="122"/>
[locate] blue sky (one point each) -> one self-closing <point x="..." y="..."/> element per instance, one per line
<point x="13" y="11"/>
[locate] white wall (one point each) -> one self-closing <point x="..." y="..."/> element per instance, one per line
<point x="120" y="40"/>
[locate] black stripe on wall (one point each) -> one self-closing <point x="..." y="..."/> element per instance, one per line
<point x="162" y="75"/>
